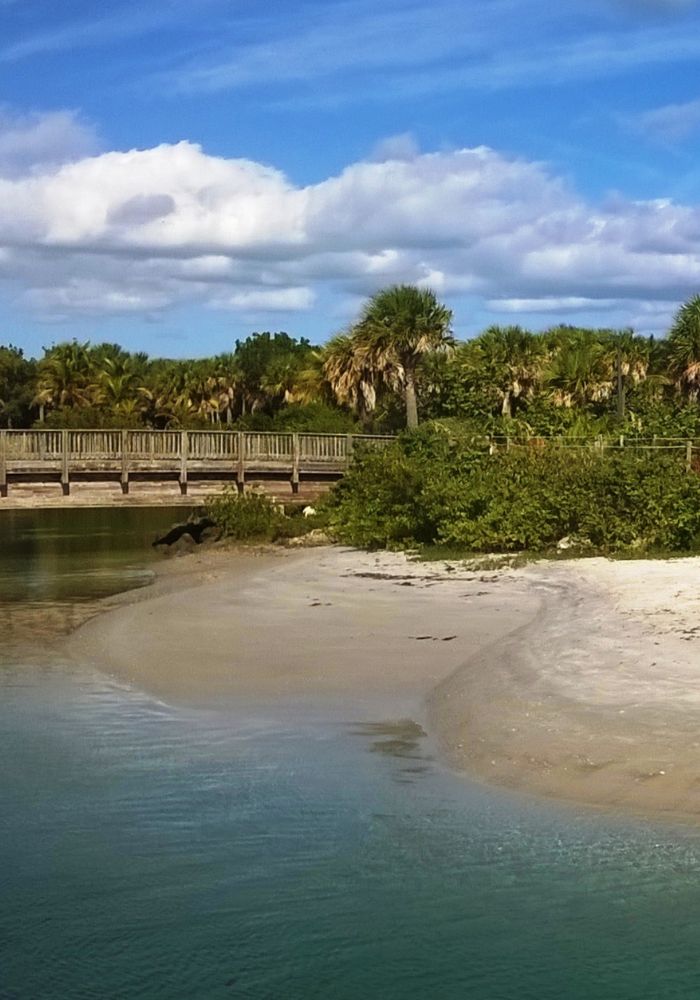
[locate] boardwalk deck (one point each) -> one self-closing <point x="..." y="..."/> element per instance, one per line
<point x="124" y="456"/>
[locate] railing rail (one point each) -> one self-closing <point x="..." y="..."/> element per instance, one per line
<point x="124" y="453"/>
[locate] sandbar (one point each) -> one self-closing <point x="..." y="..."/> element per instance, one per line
<point x="578" y="680"/>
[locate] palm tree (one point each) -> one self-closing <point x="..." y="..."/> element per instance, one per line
<point x="513" y="359"/>
<point x="630" y="356"/>
<point x="580" y="371"/>
<point x="119" y="380"/>
<point x="349" y="371"/>
<point x="397" y="328"/>
<point x="66" y="377"/>
<point x="683" y="348"/>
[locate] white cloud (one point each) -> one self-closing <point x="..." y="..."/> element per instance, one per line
<point x="357" y="51"/>
<point x="38" y="141"/>
<point x="138" y="232"/>
<point x="670" y="122"/>
<point x="546" y="304"/>
<point x="269" y="300"/>
<point x="403" y="146"/>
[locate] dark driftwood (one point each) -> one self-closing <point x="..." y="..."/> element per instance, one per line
<point x="195" y="529"/>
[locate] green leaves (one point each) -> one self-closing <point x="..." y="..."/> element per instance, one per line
<point x="432" y="488"/>
<point x="246" y="517"/>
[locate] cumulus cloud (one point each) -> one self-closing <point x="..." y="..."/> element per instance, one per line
<point x="138" y="232"/>
<point x="39" y="141"/>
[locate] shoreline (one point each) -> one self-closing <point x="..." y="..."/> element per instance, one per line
<point x="556" y="680"/>
<point x="109" y="494"/>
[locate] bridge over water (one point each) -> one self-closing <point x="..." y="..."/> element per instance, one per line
<point x="125" y="456"/>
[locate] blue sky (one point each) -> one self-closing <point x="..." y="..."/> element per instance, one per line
<point x="176" y="175"/>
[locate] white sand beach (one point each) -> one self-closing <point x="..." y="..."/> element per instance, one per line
<point x="576" y="679"/>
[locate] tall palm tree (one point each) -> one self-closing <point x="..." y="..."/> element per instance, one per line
<point x="683" y="348"/>
<point x="630" y="356"/>
<point x="398" y="327"/>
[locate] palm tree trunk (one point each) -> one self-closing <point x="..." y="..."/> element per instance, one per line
<point x="620" y="388"/>
<point x="411" y="402"/>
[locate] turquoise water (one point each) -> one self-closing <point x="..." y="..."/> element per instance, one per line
<point x="149" y="851"/>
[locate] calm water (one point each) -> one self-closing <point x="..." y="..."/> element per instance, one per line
<point x="148" y="851"/>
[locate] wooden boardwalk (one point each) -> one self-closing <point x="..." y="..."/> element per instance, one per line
<point x="124" y="456"/>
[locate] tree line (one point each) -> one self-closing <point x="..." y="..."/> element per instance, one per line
<point x="399" y="362"/>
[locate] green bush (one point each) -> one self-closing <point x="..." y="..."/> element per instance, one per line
<point x="246" y="516"/>
<point x="435" y="488"/>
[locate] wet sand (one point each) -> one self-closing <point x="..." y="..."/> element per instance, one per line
<point x="577" y="680"/>
<point x="353" y="628"/>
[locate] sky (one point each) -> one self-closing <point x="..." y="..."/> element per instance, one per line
<point x="176" y="175"/>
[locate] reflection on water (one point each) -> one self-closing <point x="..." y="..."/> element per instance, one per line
<point x="77" y="553"/>
<point x="402" y="739"/>
<point x="56" y="565"/>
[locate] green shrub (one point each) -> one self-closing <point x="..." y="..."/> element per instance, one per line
<point x="246" y="516"/>
<point x="434" y="488"/>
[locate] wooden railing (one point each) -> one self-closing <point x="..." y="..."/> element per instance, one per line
<point x="65" y="454"/>
<point x="688" y="447"/>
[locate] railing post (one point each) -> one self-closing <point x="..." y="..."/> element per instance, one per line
<point x="240" y="472"/>
<point x="349" y="446"/>
<point x="65" y="454"/>
<point x="688" y="455"/>
<point x="125" y="462"/>
<point x="3" y="463"/>
<point x="295" y="462"/>
<point x="184" y="450"/>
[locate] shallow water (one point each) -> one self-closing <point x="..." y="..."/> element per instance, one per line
<point x="157" y="852"/>
<point x="78" y="553"/>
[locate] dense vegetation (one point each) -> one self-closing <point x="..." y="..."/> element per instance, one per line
<point x="432" y="487"/>
<point x="398" y="362"/>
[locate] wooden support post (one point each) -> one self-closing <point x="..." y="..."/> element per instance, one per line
<point x="3" y="463"/>
<point x="183" y="462"/>
<point x="125" y="463"/>
<point x="295" y="463"/>
<point x="240" y="473"/>
<point x="65" y="455"/>
<point x="349" y="445"/>
<point x="689" y="455"/>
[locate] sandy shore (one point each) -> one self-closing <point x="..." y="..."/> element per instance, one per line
<point x="577" y="680"/>
<point x="354" y="628"/>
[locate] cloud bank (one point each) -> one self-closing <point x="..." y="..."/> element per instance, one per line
<point x="143" y="231"/>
